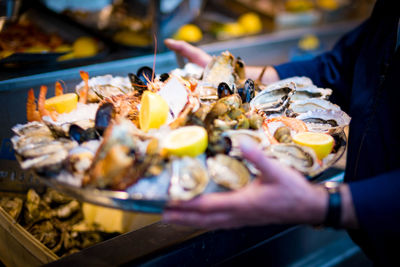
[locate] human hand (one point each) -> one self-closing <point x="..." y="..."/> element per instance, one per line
<point x="279" y="195"/>
<point x="192" y="53"/>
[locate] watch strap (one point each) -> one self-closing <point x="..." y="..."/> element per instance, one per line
<point x="334" y="212"/>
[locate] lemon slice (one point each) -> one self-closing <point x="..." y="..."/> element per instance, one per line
<point x="321" y="143"/>
<point x="153" y="111"/>
<point x="62" y="104"/>
<point x="187" y="141"/>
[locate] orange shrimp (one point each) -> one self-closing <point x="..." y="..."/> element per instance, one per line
<point x="58" y="89"/>
<point x="84" y="92"/>
<point x="270" y="138"/>
<point x="31" y="113"/>
<point x="293" y="123"/>
<point x="42" y="110"/>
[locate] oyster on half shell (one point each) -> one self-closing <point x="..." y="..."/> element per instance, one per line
<point x="274" y="99"/>
<point x="301" y="158"/>
<point x="189" y="178"/>
<point x="228" y="172"/>
<point x="305" y="105"/>
<point x="324" y="120"/>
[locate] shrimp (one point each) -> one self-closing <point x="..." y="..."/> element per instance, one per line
<point x="270" y="138"/>
<point x="58" y="89"/>
<point x="293" y="123"/>
<point x="42" y="110"/>
<point x="31" y="113"/>
<point x="83" y="93"/>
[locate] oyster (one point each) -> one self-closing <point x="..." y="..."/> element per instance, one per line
<point x="301" y="158"/>
<point x="228" y="172"/>
<point x="236" y="135"/>
<point x="101" y="87"/>
<point x="31" y="129"/>
<point x="311" y="91"/>
<point x="300" y="82"/>
<point x="83" y="116"/>
<point x="305" y="105"/>
<point x="274" y="99"/>
<point x="324" y="120"/>
<point x="220" y="69"/>
<point x="189" y="178"/>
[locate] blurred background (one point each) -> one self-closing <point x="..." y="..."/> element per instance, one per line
<point x="44" y="35"/>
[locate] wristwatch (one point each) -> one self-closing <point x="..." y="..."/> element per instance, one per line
<point x="334" y="212"/>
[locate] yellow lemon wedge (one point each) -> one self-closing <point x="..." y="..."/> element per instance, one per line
<point x="62" y="104"/>
<point x="153" y="111"/>
<point x="251" y="22"/>
<point x="187" y="141"/>
<point x="321" y="143"/>
<point x="189" y="33"/>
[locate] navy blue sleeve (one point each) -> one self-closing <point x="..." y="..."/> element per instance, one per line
<point x="377" y="202"/>
<point x="333" y="69"/>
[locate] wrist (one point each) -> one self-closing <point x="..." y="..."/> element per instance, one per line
<point x="316" y="205"/>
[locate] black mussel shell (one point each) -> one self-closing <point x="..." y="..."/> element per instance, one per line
<point x="104" y="115"/>
<point x="247" y="93"/>
<point x="224" y="90"/>
<point x="137" y="83"/>
<point x="222" y="145"/>
<point x="145" y="74"/>
<point x="80" y="135"/>
<point x="164" y="77"/>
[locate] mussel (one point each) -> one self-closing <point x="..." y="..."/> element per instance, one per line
<point x="247" y="93"/>
<point x="81" y="135"/>
<point x="104" y="114"/>
<point x="164" y="77"/>
<point x="145" y="74"/>
<point x="224" y="90"/>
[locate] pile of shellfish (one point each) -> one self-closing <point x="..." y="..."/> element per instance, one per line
<point x="100" y="144"/>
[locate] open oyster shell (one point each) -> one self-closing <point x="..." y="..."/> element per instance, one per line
<point x="324" y="120"/>
<point x="274" y="99"/>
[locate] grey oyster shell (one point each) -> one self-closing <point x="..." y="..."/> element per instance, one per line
<point x="274" y="99"/>
<point x="301" y="158"/>
<point x="324" y="120"/>
<point x="305" y="105"/>
<point x="189" y="178"/>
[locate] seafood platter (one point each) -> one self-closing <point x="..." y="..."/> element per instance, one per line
<point x="137" y="142"/>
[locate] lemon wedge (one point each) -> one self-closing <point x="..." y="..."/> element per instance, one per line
<point x="321" y="143"/>
<point x="251" y="22"/>
<point x="153" y="111"/>
<point x="62" y="104"/>
<point x="187" y="141"/>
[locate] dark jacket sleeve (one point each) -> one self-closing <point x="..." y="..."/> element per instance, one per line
<point x="333" y="69"/>
<point x="377" y="202"/>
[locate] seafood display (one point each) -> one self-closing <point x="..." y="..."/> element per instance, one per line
<point x="175" y="135"/>
<point x="54" y="219"/>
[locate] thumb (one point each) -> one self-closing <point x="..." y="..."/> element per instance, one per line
<point x="192" y="53"/>
<point x="270" y="169"/>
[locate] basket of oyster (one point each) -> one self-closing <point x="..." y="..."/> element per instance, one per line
<point x="137" y="142"/>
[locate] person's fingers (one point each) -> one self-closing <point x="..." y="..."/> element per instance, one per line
<point x="192" y="53"/>
<point x="269" y="168"/>
<point x="212" y="202"/>
<point x="197" y="219"/>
